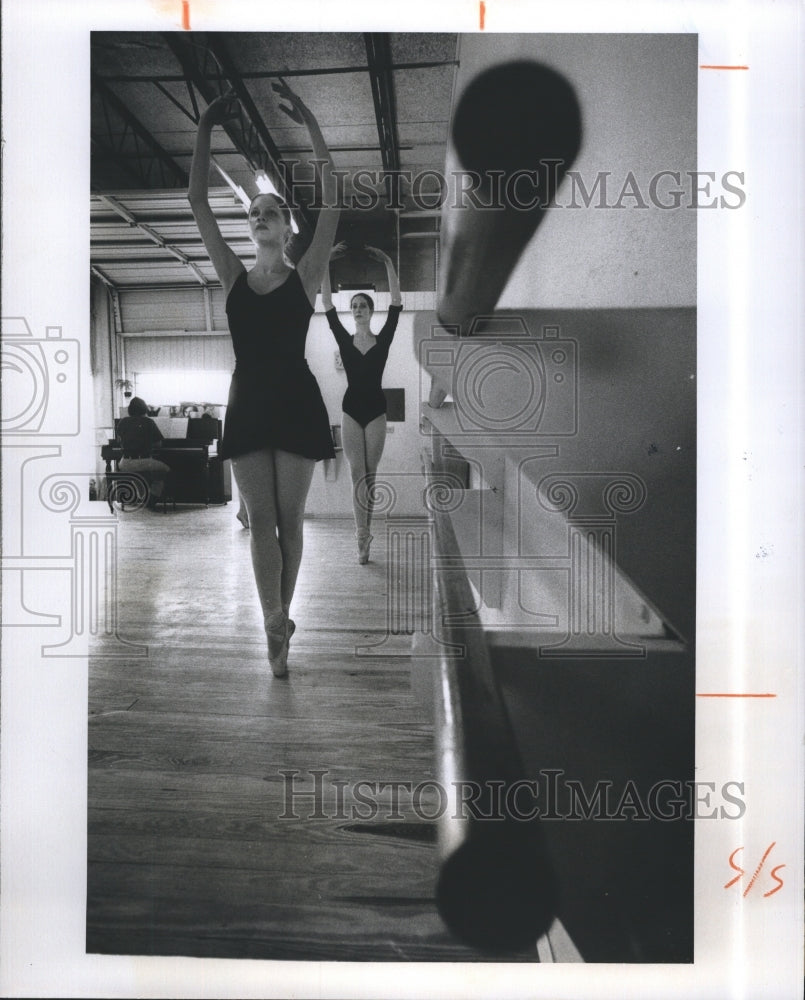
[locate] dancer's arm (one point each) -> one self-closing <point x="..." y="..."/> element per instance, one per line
<point x="326" y="291"/>
<point x="224" y="260"/>
<point x="386" y="335"/>
<point x="326" y="287"/>
<point x="394" y="281"/>
<point x="315" y="259"/>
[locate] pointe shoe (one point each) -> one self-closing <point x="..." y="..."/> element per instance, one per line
<point x="278" y="639"/>
<point x="243" y="518"/>
<point x="364" y="541"/>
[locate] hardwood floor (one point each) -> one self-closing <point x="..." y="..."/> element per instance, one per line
<point x="187" y="853"/>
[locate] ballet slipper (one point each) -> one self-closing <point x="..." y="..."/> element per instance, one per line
<point x="278" y="638"/>
<point x="364" y="541"/>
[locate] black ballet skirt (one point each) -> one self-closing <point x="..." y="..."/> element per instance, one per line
<point x="274" y="398"/>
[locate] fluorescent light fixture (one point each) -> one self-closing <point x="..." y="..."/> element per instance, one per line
<point x="236" y="188"/>
<point x="264" y="183"/>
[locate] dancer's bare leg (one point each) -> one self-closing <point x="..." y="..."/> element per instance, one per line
<point x="363" y="447"/>
<point x="294" y="474"/>
<point x="354" y="442"/>
<point x="255" y="474"/>
<point x="375" y="441"/>
<point x="274" y="486"/>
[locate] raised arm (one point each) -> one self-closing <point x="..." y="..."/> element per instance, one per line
<point x="314" y="261"/>
<point x="394" y="281"/>
<point x="326" y="289"/>
<point x="224" y="260"/>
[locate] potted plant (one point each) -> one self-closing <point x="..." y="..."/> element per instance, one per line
<point x="126" y="385"/>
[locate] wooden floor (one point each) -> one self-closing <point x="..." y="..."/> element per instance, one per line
<point x="187" y="853"/>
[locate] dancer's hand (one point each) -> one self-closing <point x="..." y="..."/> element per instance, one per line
<point x="376" y="254"/>
<point x="297" y="110"/>
<point x="338" y="250"/>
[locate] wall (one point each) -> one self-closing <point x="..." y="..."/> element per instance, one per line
<point x="103" y="358"/>
<point x="638" y="99"/>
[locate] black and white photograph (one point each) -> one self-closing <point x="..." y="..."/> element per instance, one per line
<point x="428" y="698"/>
<point x="384" y="510"/>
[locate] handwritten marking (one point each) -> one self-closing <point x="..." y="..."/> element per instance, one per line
<point x="777" y="879"/>
<point x="483" y="14"/>
<point x="730" y="694"/>
<point x="186" y="15"/>
<point x="737" y="868"/>
<point x="722" y="67"/>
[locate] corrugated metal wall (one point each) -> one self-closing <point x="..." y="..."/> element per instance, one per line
<point x="174" y="309"/>
<point x="155" y="310"/>
<point x="161" y="354"/>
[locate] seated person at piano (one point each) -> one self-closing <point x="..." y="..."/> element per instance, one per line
<point x="139" y="438"/>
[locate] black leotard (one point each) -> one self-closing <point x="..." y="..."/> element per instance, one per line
<point x="364" y="399"/>
<point x="274" y="399"/>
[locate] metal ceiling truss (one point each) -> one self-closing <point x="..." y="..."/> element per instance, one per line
<point x="274" y="74"/>
<point x="210" y="72"/>
<point x="129" y="143"/>
<point x="378" y="56"/>
<point x="154" y="236"/>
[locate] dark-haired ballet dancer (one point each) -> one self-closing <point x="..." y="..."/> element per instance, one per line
<point x="276" y="424"/>
<point x="363" y="425"/>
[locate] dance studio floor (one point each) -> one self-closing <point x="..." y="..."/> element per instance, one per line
<point x="187" y="853"/>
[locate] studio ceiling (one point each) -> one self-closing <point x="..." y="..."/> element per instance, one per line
<point x="382" y="100"/>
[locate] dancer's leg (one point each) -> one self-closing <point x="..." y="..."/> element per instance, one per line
<point x="255" y="475"/>
<point x="354" y="442"/>
<point x="294" y="474"/>
<point x="375" y="441"/>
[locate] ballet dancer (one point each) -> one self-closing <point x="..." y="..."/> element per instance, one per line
<point x="363" y="423"/>
<point x="276" y="425"/>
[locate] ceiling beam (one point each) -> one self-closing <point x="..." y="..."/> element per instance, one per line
<point x="109" y="245"/>
<point x="212" y="73"/>
<point x="272" y="74"/>
<point x="378" y="55"/>
<point x="153" y="235"/>
<point x="134" y="148"/>
<point x="101" y="276"/>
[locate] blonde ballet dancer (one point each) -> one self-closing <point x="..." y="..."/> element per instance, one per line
<point x="276" y="426"/>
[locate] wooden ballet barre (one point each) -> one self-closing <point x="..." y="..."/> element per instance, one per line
<point x="515" y="133"/>
<point x="495" y="889"/>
